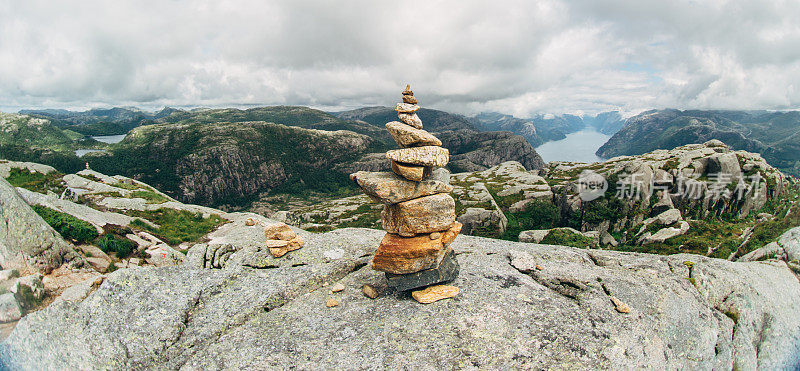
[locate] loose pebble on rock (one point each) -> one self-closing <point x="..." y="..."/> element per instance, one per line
<point x="435" y="293"/>
<point x="337" y="287"/>
<point x="370" y="291"/>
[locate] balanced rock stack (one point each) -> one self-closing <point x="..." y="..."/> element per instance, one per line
<point x="281" y="239"/>
<point x="419" y="214"/>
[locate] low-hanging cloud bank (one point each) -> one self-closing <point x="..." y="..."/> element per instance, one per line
<point x="520" y="57"/>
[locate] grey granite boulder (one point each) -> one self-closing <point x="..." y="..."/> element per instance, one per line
<point x="790" y="242"/>
<point x="520" y="306"/>
<point x="10" y="310"/>
<point x="27" y="243"/>
<point x="389" y="188"/>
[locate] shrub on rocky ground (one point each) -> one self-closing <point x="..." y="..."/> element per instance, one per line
<point x="68" y="226"/>
<point x="176" y="226"/>
<point x="565" y="237"/>
<point x="36" y="182"/>
<point x="111" y="243"/>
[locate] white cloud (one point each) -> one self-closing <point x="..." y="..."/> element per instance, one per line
<point x="520" y="57"/>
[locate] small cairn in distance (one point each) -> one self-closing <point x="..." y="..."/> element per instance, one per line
<point x="419" y="213"/>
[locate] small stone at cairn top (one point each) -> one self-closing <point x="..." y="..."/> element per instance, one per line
<point x="419" y="214"/>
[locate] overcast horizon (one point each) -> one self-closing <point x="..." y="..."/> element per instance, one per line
<point x="517" y="57"/>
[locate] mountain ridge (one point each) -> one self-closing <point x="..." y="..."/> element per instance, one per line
<point x="775" y="135"/>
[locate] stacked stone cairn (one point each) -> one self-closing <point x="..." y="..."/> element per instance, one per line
<point x="419" y="213"/>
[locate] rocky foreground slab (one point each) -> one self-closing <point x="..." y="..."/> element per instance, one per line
<point x="520" y="305"/>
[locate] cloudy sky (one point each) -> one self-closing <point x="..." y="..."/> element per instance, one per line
<point x="518" y="57"/>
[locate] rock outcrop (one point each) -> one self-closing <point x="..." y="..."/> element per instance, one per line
<point x="774" y="135"/>
<point x="27" y="243"/>
<point x="520" y="305"/>
<point x="700" y="181"/>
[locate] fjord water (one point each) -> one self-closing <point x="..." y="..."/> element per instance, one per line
<point x="110" y="139"/>
<point x="579" y="146"/>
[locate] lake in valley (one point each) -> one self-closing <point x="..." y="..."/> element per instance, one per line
<point x="579" y="146"/>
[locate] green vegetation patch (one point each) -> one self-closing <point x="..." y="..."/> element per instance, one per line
<point x="110" y="243"/>
<point x="538" y="214"/>
<point x="565" y="237"/>
<point x="176" y="226"/>
<point x="68" y="226"/>
<point x="36" y="181"/>
<point x="128" y="186"/>
<point x="151" y="196"/>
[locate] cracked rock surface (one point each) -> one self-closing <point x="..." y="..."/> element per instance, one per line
<point x="520" y="305"/>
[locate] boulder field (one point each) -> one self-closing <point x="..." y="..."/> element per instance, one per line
<point x="520" y="305"/>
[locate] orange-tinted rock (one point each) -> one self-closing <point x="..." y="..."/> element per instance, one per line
<point x="276" y="244"/>
<point x="408" y="90"/>
<point x="370" y="291"/>
<point x="279" y="248"/>
<point x="408" y="171"/>
<point x="620" y="306"/>
<point x="279" y="231"/>
<point x="422" y="215"/>
<point x="449" y="235"/>
<point x="403" y="255"/>
<point x="435" y="293"/>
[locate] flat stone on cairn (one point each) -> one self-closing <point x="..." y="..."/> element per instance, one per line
<point x="410" y="172"/>
<point x="406" y="136"/>
<point x="433" y="156"/>
<point x="445" y="272"/>
<point x="419" y="213"/>
<point x="389" y="188"/>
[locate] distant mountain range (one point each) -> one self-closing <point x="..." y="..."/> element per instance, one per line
<point x="228" y="156"/>
<point x="231" y="156"/>
<point x="775" y="135"/>
<point x="110" y="121"/>
<point x="545" y="128"/>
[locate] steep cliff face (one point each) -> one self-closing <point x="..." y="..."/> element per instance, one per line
<point x="774" y="135"/>
<point x="607" y="123"/>
<point x="473" y="151"/>
<point x="215" y="163"/>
